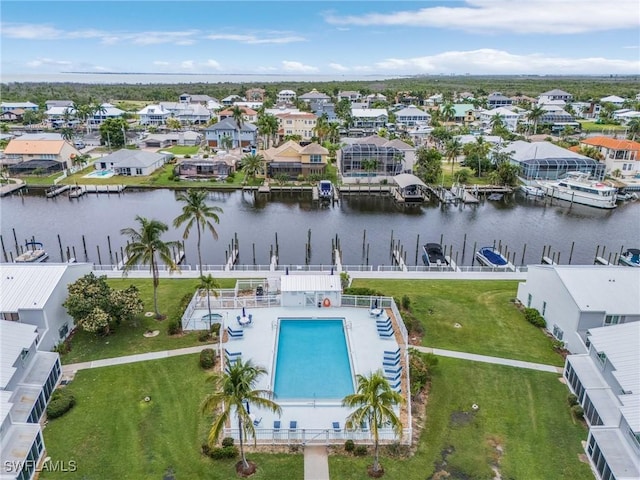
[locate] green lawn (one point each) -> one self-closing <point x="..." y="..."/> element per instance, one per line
<point x="491" y="323"/>
<point x="39" y="180"/>
<point x="590" y="126"/>
<point x="128" y="339"/>
<point x="112" y="433"/>
<point x="524" y="412"/>
<point x="449" y="177"/>
<point x="182" y="150"/>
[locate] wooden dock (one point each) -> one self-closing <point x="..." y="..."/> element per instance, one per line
<point x="369" y="189"/>
<point x="231" y="260"/>
<point x="397" y="258"/>
<point x="55" y="191"/>
<point x="77" y="191"/>
<point x="462" y="194"/>
<point x="104" y="188"/>
<point x="10" y="188"/>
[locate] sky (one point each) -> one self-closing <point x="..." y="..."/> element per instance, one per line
<point x="560" y="37"/>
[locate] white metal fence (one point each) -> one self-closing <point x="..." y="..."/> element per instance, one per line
<point x="328" y="436"/>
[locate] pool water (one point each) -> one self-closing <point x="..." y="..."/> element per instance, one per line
<point x="100" y="174"/>
<point x="312" y="361"/>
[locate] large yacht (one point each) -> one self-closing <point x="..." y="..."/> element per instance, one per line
<point x="576" y="187"/>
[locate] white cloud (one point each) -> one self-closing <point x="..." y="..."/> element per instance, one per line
<point x="254" y="40"/>
<point x="522" y="17"/>
<point x="289" y="66"/>
<point x="30" y="32"/>
<point x="212" y="64"/>
<point x="338" y="67"/>
<point x="490" y="61"/>
<point x="39" y="62"/>
<point x="187" y="64"/>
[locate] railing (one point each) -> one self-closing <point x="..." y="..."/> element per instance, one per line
<point x="357" y="268"/>
<point x="322" y="436"/>
<point x="305" y="268"/>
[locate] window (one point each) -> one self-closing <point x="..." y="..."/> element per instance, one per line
<point x="314" y="158"/>
<point x="529" y="299"/>
<point x="11" y="316"/>
<point x="611" y="320"/>
<point x="602" y="357"/>
<point x="138" y="171"/>
<point x="557" y="332"/>
<point x="64" y="329"/>
<point x="24" y="354"/>
<point x="544" y="308"/>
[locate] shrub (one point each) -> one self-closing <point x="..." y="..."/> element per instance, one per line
<point x="207" y="358"/>
<point x="204" y="336"/>
<point x="572" y="399"/>
<point x="577" y="411"/>
<point x="384" y="181"/>
<point x="366" y="291"/>
<point x="185" y="300"/>
<point x="61" y="402"/>
<point x="227" y="442"/>
<point x="229" y="179"/>
<point x="174" y="327"/>
<point x="215" y="328"/>
<point x="360" y="451"/>
<point x="223" y="453"/>
<point x="349" y="446"/>
<point x="396" y="450"/>
<point x="406" y="302"/>
<point x="186" y="155"/>
<point x="533" y="317"/>
<point x="206" y="449"/>
<point x="63" y="347"/>
<point x="420" y="367"/>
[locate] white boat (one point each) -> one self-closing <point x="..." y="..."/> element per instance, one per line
<point x="325" y="190"/>
<point x="630" y="258"/>
<point x="576" y="187"/>
<point x="531" y="191"/>
<point x="33" y="253"/>
<point x="491" y="257"/>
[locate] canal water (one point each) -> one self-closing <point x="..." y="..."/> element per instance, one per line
<point x="362" y="225"/>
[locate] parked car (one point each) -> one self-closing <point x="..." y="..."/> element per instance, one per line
<point x="79" y="144"/>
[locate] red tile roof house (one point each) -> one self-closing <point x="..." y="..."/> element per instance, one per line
<point x="622" y="155"/>
<point x="39" y="151"/>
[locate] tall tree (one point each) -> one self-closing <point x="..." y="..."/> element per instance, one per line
<point x="209" y="284"/>
<point x="112" y="132"/>
<point x="453" y="149"/>
<point x="232" y="392"/>
<point x="268" y="127"/>
<point x="428" y="165"/>
<point x="237" y="114"/>
<point x="374" y="403"/>
<point x="448" y="112"/>
<point x="195" y="211"/>
<point x="252" y="164"/>
<point x="534" y="116"/>
<point x="633" y="129"/>
<point x="369" y="165"/>
<point x="146" y="247"/>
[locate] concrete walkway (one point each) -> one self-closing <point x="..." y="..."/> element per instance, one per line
<point x="486" y="359"/>
<point x="316" y="463"/>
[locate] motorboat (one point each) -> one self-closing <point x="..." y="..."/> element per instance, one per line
<point x="630" y="258"/>
<point x="491" y="257"/>
<point x="577" y="187"/>
<point x="531" y="191"/>
<point x="34" y="253"/>
<point x="325" y="190"/>
<point x="433" y="256"/>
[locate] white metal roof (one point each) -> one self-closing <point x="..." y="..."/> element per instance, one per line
<point x="631" y="410"/>
<point x="310" y="283"/>
<point x="621" y="344"/>
<point x="405" y="179"/>
<point x="14" y="337"/>
<point x="369" y="112"/>
<point x="26" y="286"/>
<point x="609" y="289"/>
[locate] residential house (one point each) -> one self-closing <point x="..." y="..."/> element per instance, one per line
<point x="464" y="113"/>
<point x="544" y="160"/>
<point x="300" y="123"/>
<point x="606" y="382"/>
<point x="248" y="114"/>
<point x="373" y="98"/>
<point x="293" y="160"/>
<point x="350" y="95"/>
<point x="352" y="166"/>
<point x="28" y="377"/>
<point x="255" y="94"/>
<point x="411" y="116"/>
<point x="106" y="111"/>
<point x="248" y="104"/>
<point x="496" y="100"/>
<point x="221" y="165"/>
<point x="154" y="115"/>
<point x="188" y="113"/>
<point x="369" y="119"/>
<point x="586" y="109"/>
<point x="614" y="99"/>
<point x="163" y="140"/>
<point x="228" y="128"/>
<point x="625" y="115"/>
<point x="558" y="118"/>
<point x="408" y="153"/>
<point x="133" y="163"/>
<point x="57" y="103"/>
<point x="45" y="151"/>
<point x="406" y="98"/>
<point x="555" y="94"/>
<point x="200" y="99"/>
<point x="231" y="99"/>
<point x="14" y="115"/>
<point x="435" y="99"/>
<point x="281" y="109"/>
<point x="315" y="97"/>
<point x="8" y="106"/>
<point x="61" y="116"/>
<point x="34" y="293"/>
<point x="323" y="108"/>
<point x="286" y="96"/>
<point x="494" y="140"/>
<point x="510" y="118"/>
<point x="574" y="298"/>
<point x="621" y="155"/>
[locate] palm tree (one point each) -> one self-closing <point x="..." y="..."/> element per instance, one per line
<point x="196" y="211"/>
<point x="633" y="128"/>
<point x="322" y="127"/>
<point x="268" y="127"/>
<point x="448" y="112"/>
<point x="67" y="134"/>
<point x="233" y="390"/>
<point x="534" y="116"/>
<point x="374" y="401"/>
<point x="145" y="247"/>
<point x="209" y="284"/>
<point x="252" y="164"/>
<point x="453" y="149"/>
<point x="369" y="165"/>
<point x="497" y="123"/>
<point x="238" y="116"/>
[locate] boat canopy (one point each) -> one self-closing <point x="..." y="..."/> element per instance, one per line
<point x="405" y="180"/>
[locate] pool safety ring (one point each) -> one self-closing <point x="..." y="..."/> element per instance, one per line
<point x="326" y="302"/>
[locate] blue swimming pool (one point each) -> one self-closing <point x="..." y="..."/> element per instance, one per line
<point x="312" y="360"/>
